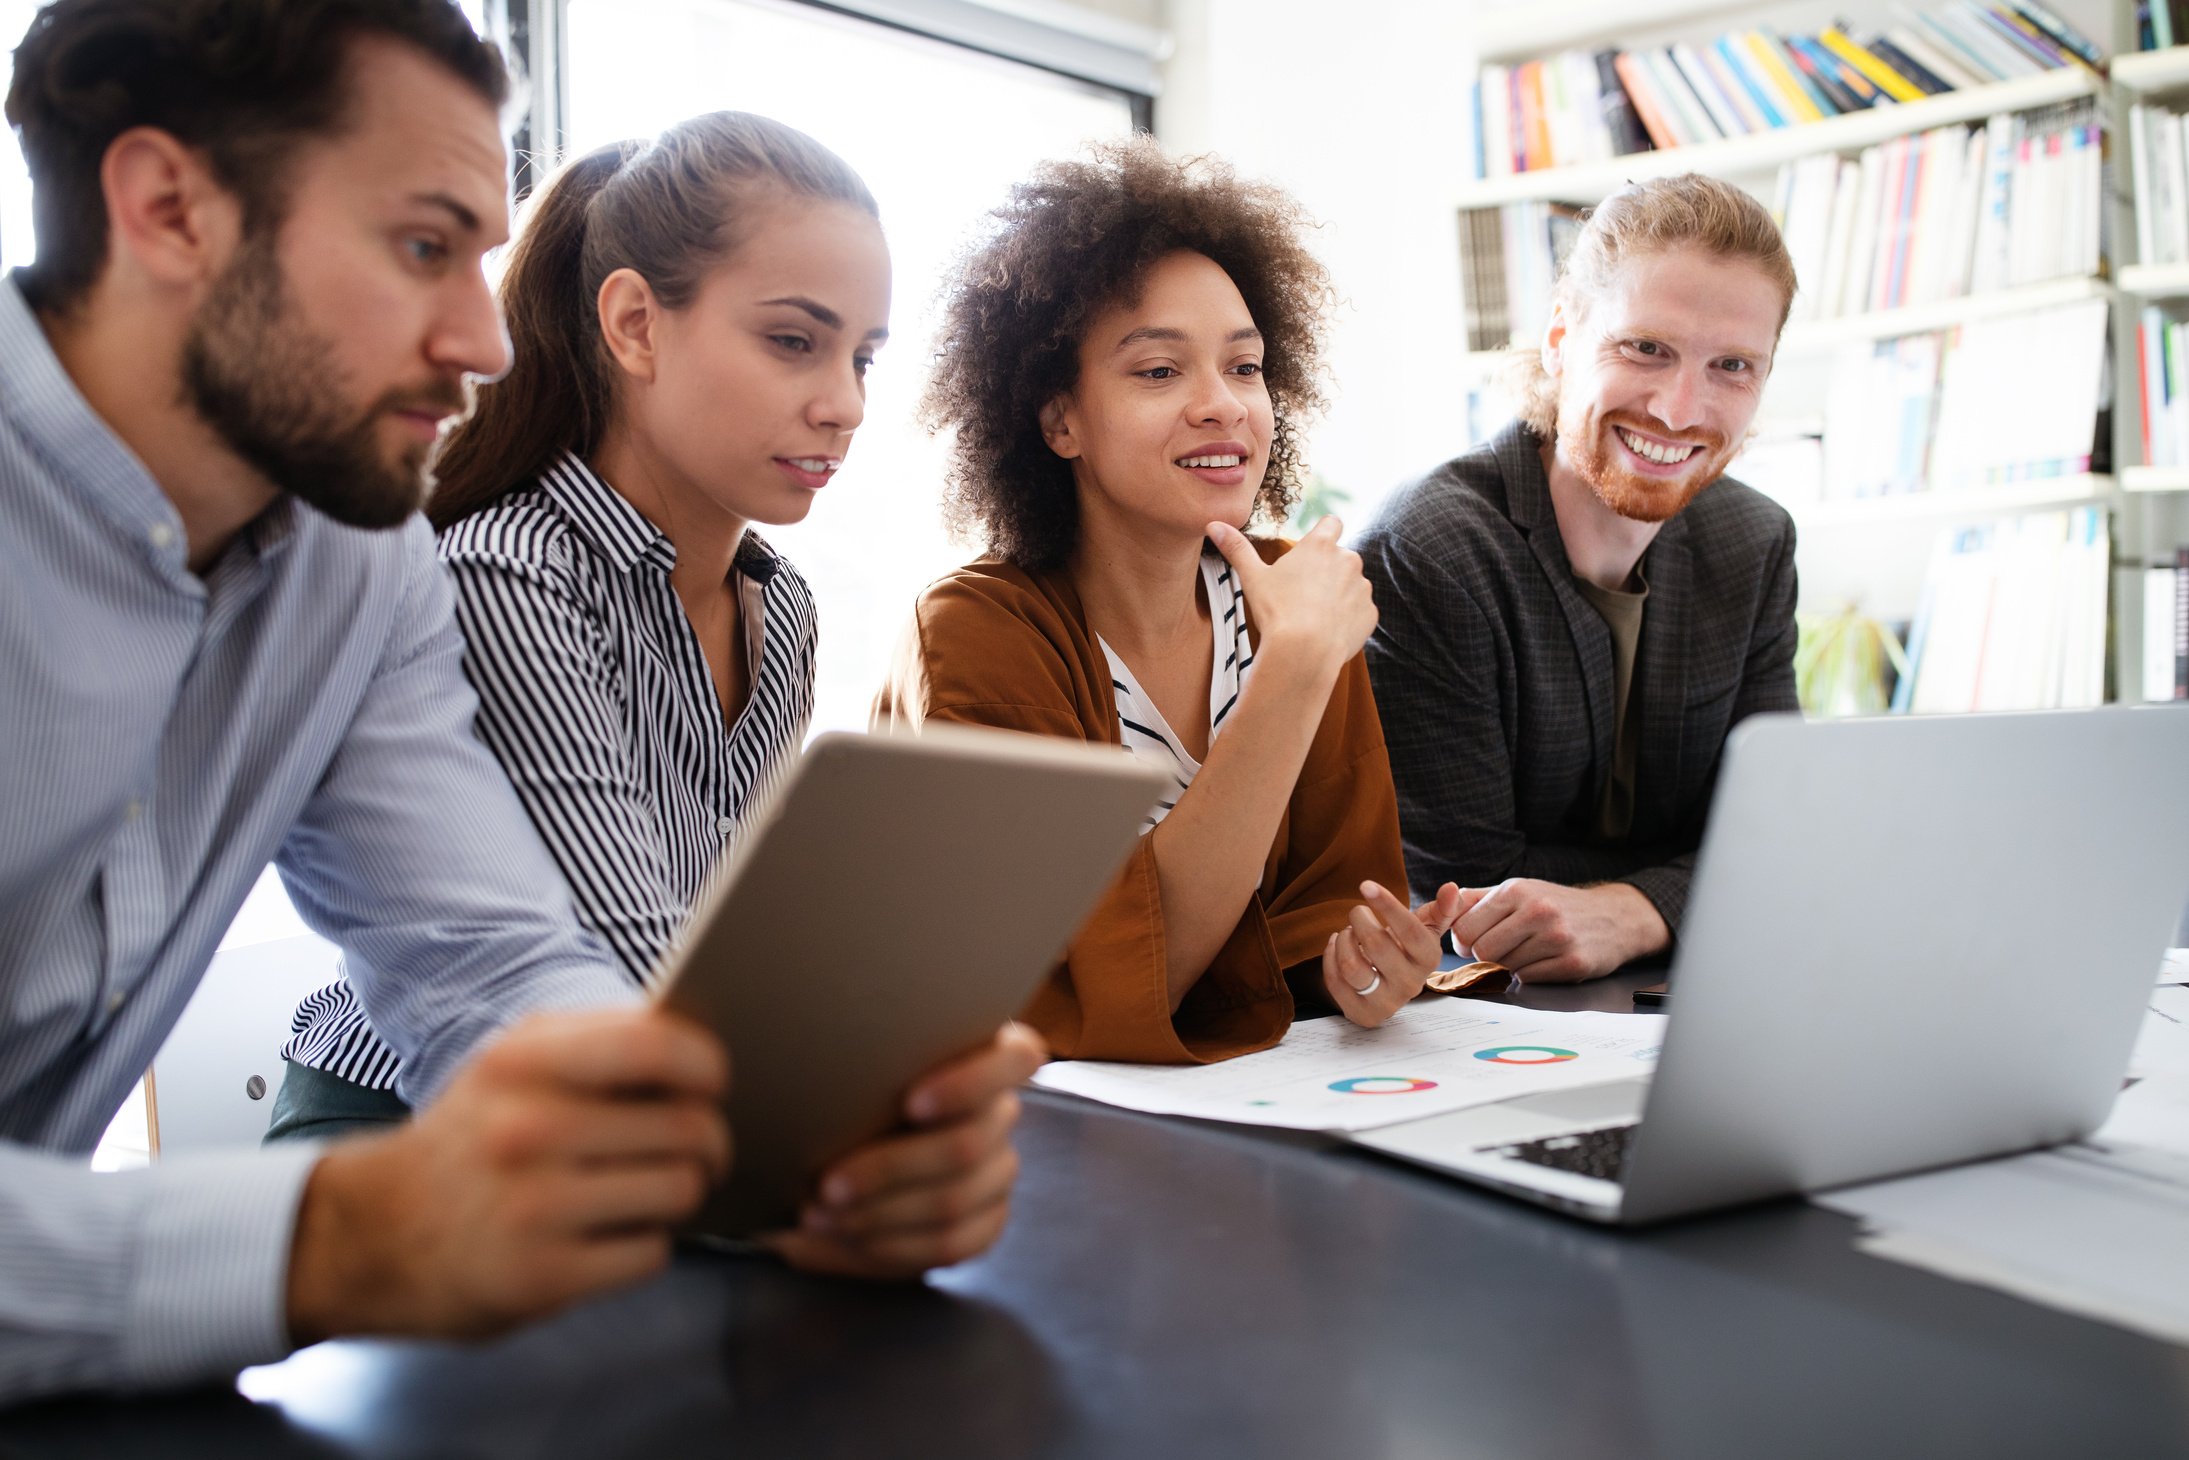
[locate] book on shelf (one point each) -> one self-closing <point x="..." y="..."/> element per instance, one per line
<point x="2013" y="616"/>
<point x="2016" y="398"/>
<point x="1512" y="258"/>
<point x="1589" y="106"/>
<point x="1948" y="212"/>
<point x="1935" y="215"/>
<point x="2166" y="629"/>
<point x="2161" y="24"/>
<point x="2162" y="387"/>
<point x="2158" y="151"/>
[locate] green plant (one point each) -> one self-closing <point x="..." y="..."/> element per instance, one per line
<point x="1841" y="666"/>
<point x="1318" y="499"/>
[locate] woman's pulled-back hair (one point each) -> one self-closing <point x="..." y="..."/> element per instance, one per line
<point x="1074" y="240"/>
<point x="669" y="210"/>
<point x="1687" y="211"/>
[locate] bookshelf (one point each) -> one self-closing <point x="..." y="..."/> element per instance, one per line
<point x="1811" y="336"/>
<point x="1877" y="547"/>
<point x="1818" y="336"/>
<point x="2156" y="281"/>
<point x="1937" y="507"/>
<point x="1737" y="157"/>
<point x="2141" y="73"/>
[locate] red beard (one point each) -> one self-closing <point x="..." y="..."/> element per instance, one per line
<point x="1588" y="446"/>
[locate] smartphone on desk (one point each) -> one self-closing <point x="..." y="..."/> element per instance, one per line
<point x="1653" y="996"/>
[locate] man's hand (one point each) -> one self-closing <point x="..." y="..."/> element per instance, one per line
<point x="1548" y="933"/>
<point x="1377" y="963"/>
<point x="936" y="1194"/>
<point x="553" y="1167"/>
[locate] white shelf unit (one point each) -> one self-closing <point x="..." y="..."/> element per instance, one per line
<point x="1814" y="336"/>
<point x="1528" y="29"/>
<point x="1527" y="33"/>
<point x="2071" y="491"/>
<point x="2156" y="281"/>
<point x="2141" y="72"/>
<point x="1737" y="157"/>
<point x="1808" y="336"/>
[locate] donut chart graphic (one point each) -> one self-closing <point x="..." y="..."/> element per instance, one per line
<point x="1382" y="1085"/>
<point x="1526" y="1054"/>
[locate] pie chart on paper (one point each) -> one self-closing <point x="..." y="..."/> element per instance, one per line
<point x="1526" y="1054"/>
<point x="1382" y="1085"/>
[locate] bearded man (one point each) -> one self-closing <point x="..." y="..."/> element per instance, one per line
<point x="1575" y="615"/>
<point x="224" y="640"/>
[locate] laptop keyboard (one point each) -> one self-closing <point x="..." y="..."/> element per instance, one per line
<point x="1598" y="1153"/>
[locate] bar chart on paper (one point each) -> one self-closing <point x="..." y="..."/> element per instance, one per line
<point x="1434" y="1056"/>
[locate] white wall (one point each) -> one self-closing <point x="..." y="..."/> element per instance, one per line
<point x="1362" y="112"/>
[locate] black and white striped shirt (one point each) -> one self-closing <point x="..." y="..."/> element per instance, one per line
<point x="1141" y="725"/>
<point x="594" y="694"/>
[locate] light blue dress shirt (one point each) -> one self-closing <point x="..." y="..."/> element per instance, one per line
<point x="162" y="737"/>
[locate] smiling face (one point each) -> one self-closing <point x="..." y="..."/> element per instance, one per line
<point x="1169" y="424"/>
<point x="334" y="344"/>
<point x="1660" y="376"/>
<point x="751" y="392"/>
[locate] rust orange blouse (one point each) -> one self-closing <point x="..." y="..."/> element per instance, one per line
<point x="993" y="645"/>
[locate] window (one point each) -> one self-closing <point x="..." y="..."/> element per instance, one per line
<point x="939" y="133"/>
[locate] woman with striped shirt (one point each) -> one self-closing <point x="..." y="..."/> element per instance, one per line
<point x="691" y="323"/>
<point x="1123" y="362"/>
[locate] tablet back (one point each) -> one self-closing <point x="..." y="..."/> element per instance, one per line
<point x="900" y="898"/>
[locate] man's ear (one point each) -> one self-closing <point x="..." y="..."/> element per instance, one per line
<point x="630" y="322"/>
<point x="1057" y="428"/>
<point x="1554" y="342"/>
<point x="167" y="214"/>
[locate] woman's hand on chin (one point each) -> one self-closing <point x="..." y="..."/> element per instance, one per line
<point x="1312" y="606"/>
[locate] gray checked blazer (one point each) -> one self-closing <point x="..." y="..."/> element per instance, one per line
<point x="1494" y="675"/>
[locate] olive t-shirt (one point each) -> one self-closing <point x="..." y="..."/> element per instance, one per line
<point x="1622" y="614"/>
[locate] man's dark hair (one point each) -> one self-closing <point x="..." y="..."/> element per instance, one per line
<point x="243" y="81"/>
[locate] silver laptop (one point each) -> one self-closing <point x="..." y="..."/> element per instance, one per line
<point x="1909" y="943"/>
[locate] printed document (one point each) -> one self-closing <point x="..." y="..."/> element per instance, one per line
<point x="2093" y="1228"/>
<point x="1435" y="1055"/>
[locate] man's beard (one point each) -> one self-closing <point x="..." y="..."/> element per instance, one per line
<point x="1586" y="443"/>
<point x="266" y="383"/>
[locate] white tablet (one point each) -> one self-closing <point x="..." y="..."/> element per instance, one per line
<point x="899" y="898"/>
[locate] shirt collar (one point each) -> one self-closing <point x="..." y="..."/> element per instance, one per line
<point x="42" y="404"/>
<point x="621" y="533"/>
<point x="601" y="515"/>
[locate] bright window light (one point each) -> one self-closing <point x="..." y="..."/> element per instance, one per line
<point x="939" y="133"/>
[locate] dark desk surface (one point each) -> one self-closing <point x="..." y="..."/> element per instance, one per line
<point x="1172" y="1289"/>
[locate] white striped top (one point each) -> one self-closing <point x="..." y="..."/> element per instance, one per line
<point x="1141" y="725"/>
<point x="595" y="696"/>
<point x="164" y="736"/>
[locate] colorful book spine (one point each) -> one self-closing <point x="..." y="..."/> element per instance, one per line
<point x="1743" y="67"/>
<point x="1887" y="80"/>
<point x="1929" y="82"/>
<point x="1644" y="96"/>
<point x="2066" y="36"/>
<point x="1793" y="98"/>
<point x="1823" y="67"/>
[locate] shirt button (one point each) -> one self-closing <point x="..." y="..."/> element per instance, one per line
<point x="114" y="1002"/>
<point x="136" y="809"/>
<point x="162" y="534"/>
<point x="726" y="825"/>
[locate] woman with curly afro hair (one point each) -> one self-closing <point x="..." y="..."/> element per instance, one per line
<point x="1124" y="361"/>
